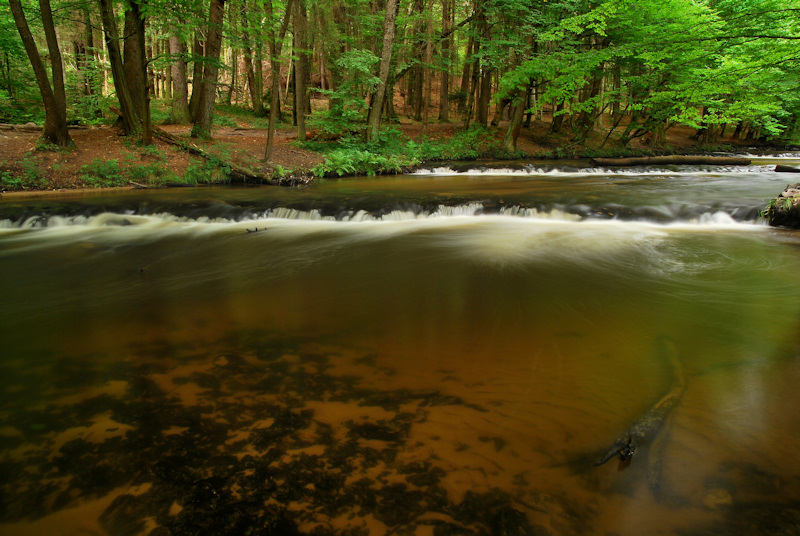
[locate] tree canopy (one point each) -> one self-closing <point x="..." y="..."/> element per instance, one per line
<point x="631" y="67"/>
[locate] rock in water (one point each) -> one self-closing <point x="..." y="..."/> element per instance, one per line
<point x="784" y="210"/>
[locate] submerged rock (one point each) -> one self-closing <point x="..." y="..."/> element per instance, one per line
<point x="784" y="210"/>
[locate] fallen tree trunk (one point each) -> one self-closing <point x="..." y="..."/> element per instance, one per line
<point x="672" y="160"/>
<point x="237" y="171"/>
<point x="31" y="127"/>
<point x="781" y="168"/>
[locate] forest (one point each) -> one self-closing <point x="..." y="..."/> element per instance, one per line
<point x="341" y="73"/>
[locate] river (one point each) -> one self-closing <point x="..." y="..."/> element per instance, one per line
<point x="446" y="352"/>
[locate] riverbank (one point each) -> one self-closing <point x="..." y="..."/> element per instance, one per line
<point x="104" y="158"/>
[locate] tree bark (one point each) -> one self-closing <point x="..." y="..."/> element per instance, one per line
<point x="131" y="120"/>
<point x="300" y="67"/>
<point x="275" y="45"/>
<point x="55" y="103"/>
<point x="375" y="111"/>
<point x="519" y="104"/>
<point x="198" y="53"/>
<point x="466" y="77"/>
<point x="444" y="87"/>
<point x="179" y="115"/>
<point x="482" y="111"/>
<point x="205" y="106"/>
<point x="255" y="94"/>
<point x="130" y="55"/>
<point x="141" y="67"/>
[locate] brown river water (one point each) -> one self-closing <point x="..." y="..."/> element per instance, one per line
<point x="434" y="354"/>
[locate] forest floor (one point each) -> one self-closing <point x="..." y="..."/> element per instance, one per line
<point x="103" y="150"/>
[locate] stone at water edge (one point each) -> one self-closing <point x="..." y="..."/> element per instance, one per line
<point x="784" y="210"/>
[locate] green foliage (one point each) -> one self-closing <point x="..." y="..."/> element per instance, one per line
<point x="236" y="115"/>
<point x="159" y="112"/>
<point x="44" y="146"/>
<point x="207" y="172"/>
<point x="468" y="144"/>
<point x="225" y="121"/>
<point x="151" y="173"/>
<point x="343" y="162"/>
<point x="392" y="152"/>
<point x="33" y="178"/>
<point x="102" y="173"/>
<point x="388" y="153"/>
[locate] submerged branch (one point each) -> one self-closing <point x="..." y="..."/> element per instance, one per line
<point x="650" y="423"/>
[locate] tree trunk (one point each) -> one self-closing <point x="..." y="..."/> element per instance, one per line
<point x="234" y="69"/>
<point x="198" y="53"/>
<point x="375" y="111"/>
<point x="141" y="67"/>
<point x="167" y="75"/>
<point x="444" y="87"/>
<point x="275" y="45"/>
<point x="255" y="95"/>
<point x="55" y="103"/>
<point x="482" y="112"/>
<point x="300" y="67"/>
<point x="131" y="120"/>
<point x="466" y="76"/>
<point x="179" y="114"/>
<point x="205" y="106"/>
<point x="519" y="104"/>
<point x="558" y="120"/>
<point x="130" y="55"/>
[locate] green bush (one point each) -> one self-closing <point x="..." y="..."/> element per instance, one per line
<point x="361" y="162"/>
<point x="31" y="177"/>
<point x="207" y="172"/>
<point x="10" y="182"/>
<point x="102" y="173"/>
<point x="153" y="173"/>
<point x="225" y="121"/>
<point x="470" y="144"/>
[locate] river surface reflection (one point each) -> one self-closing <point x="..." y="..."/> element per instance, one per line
<point x="436" y="354"/>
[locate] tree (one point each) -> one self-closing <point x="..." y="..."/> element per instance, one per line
<point x="275" y="42"/>
<point x="131" y="116"/>
<point x="300" y="66"/>
<point x="179" y="113"/>
<point x="375" y="111"/>
<point x="54" y="97"/>
<point x="205" y="107"/>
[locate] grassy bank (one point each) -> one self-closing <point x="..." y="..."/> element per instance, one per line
<point x="333" y="149"/>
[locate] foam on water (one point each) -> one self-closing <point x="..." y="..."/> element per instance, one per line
<point x="635" y="171"/>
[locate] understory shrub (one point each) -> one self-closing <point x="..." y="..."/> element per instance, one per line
<point x="207" y="172"/>
<point x="362" y="162"/>
<point x="100" y="173"/>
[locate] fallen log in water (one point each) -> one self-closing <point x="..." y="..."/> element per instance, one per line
<point x="673" y="160"/>
<point x="651" y="421"/>
<point x="782" y="168"/>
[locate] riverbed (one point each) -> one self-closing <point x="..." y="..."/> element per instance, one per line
<point x="446" y="352"/>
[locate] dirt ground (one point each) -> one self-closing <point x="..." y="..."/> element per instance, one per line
<point x="62" y="169"/>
